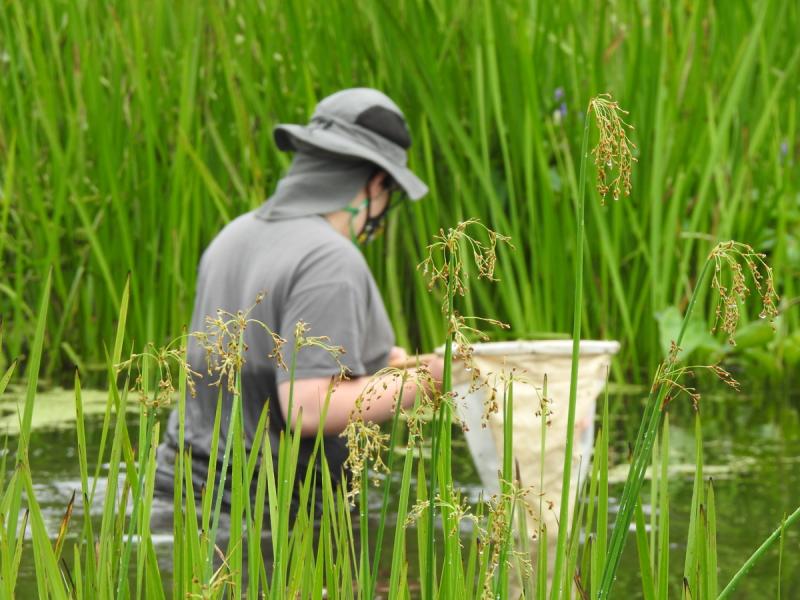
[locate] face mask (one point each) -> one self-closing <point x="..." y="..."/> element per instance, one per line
<point x="374" y="226"/>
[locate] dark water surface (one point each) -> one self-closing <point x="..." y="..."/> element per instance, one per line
<point x="752" y="452"/>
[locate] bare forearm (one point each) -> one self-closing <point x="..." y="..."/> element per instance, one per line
<point x="379" y="401"/>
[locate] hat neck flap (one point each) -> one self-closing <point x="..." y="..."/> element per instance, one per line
<point x="317" y="183"/>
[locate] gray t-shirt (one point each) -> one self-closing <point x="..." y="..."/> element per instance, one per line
<point x="308" y="272"/>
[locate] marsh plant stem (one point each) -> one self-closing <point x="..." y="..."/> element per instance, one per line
<point x="440" y="423"/>
<point x="144" y="456"/>
<point x="573" y="386"/>
<point x="642" y="451"/>
<point x="386" y="488"/>
<point x="729" y="589"/>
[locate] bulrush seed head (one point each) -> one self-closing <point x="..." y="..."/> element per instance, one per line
<point x="445" y="265"/>
<point x="301" y="340"/>
<point x="365" y="442"/>
<point x="493" y="381"/>
<point x="445" y="261"/>
<point x="165" y="359"/>
<point x="732" y="261"/>
<point x="223" y="341"/>
<point x="499" y="509"/>
<point x="459" y="509"/>
<point x="612" y="155"/>
<point x="671" y="376"/>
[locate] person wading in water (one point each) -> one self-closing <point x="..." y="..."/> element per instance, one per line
<point x="300" y="251"/>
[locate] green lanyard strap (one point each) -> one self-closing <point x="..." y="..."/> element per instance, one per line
<point x="354" y="212"/>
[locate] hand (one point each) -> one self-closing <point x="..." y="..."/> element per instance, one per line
<point x="435" y="366"/>
<point x="398" y="357"/>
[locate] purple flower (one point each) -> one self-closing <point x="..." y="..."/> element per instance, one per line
<point x="562" y="109"/>
<point x="558" y="94"/>
<point x="784" y="149"/>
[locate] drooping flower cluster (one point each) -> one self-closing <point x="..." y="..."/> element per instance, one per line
<point x="445" y="260"/>
<point x="445" y="264"/>
<point x="612" y="155"/>
<point x="501" y="508"/>
<point x="365" y="441"/>
<point x="161" y="361"/>
<point x="732" y="260"/>
<point x="223" y="341"/>
<point x="365" y="445"/>
<point x="323" y="342"/>
<point x="458" y="509"/>
<point x="671" y="374"/>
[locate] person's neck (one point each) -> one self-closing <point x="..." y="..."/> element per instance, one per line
<point x="341" y="220"/>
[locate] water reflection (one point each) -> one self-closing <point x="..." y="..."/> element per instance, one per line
<point x="751" y="449"/>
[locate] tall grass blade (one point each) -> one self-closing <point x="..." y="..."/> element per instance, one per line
<point x="758" y="554"/>
<point x="563" y="515"/>
<point x="663" y="514"/>
<point x="643" y="551"/>
<point x="32" y="373"/>
<point x="48" y="574"/>
<point x="695" y="542"/>
<point x="710" y="568"/>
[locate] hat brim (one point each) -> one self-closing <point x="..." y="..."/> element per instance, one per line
<point x="290" y="138"/>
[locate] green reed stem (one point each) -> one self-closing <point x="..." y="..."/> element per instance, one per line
<point x="641" y="457"/>
<point x="441" y="424"/>
<point x="507" y="488"/>
<point x="144" y="456"/>
<point x="762" y="549"/>
<point x="32" y="373"/>
<point x="430" y="558"/>
<point x="363" y="514"/>
<point x="284" y="490"/>
<point x="386" y="488"/>
<point x="451" y="545"/>
<point x="220" y="489"/>
<point x="573" y="387"/>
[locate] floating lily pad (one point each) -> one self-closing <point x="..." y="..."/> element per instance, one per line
<point x="53" y="409"/>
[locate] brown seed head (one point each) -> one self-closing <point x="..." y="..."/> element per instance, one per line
<point x="612" y="155"/>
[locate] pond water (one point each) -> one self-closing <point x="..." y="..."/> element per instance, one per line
<point x="752" y="451"/>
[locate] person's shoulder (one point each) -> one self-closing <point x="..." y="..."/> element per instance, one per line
<point x="229" y="240"/>
<point x="240" y="228"/>
<point x="329" y="253"/>
<point x="326" y="241"/>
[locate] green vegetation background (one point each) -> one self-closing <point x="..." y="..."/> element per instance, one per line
<point x="130" y="132"/>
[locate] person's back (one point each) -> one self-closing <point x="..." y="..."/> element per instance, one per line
<point x="297" y="254"/>
<point x="304" y="271"/>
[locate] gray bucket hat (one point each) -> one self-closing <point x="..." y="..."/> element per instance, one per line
<point x="361" y="123"/>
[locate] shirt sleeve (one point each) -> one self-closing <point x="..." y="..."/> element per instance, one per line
<point x="335" y="310"/>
